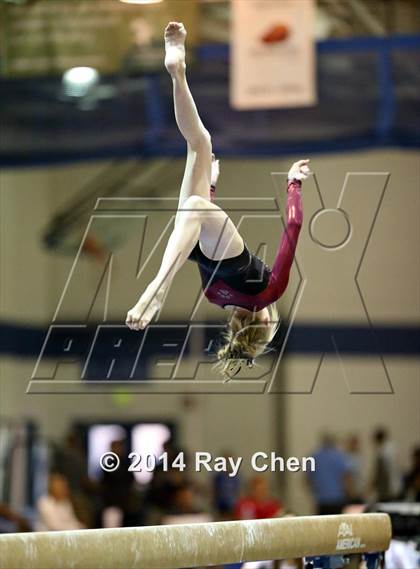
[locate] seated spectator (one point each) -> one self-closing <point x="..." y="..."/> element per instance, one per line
<point x="184" y="500"/>
<point x="258" y="503"/>
<point x="56" y="510"/>
<point x="10" y="521"/>
<point x="186" y="507"/>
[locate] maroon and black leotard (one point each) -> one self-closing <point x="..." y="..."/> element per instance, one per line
<point x="245" y="281"/>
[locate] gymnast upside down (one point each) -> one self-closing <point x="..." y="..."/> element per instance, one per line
<point x="232" y="277"/>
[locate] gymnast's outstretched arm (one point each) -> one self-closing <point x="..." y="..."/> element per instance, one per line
<point x="294" y="216"/>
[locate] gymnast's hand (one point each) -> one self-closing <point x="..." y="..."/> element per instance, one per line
<point x="149" y="303"/>
<point x="299" y="170"/>
<point x="215" y="170"/>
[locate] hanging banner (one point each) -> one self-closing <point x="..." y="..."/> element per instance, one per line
<point x="272" y="54"/>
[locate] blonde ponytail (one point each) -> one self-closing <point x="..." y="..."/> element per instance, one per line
<point x="246" y="338"/>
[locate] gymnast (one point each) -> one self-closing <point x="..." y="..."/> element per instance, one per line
<point x="232" y="277"/>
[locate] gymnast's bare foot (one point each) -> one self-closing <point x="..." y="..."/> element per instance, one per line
<point x="142" y="313"/>
<point x="175" y="34"/>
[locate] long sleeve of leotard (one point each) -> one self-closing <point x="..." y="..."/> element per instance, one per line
<point x="283" y="262"/>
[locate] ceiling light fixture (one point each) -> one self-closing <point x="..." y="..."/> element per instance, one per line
<point x="78" y="81"/>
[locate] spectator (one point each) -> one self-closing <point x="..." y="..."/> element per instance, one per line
<point x="412" y="478"/>
<point x="226" y="490"/>
<point x="119" y="487"/>
<point x="70" y="461"/>
<point x="164" y="484"/>
<point x="355" y="463"/>
<point x="184" y="501"/>
<point x="331" y="480"/>
<point x="56" y="510"/>
<point x="10" y="521"/>
<point x="385" y="482"/>
<point x="258" y="503"/>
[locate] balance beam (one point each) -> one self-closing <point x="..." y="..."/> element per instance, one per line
<point x="196" y="545"/>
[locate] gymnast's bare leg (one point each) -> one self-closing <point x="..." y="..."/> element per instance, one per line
<point x="197" y="176"/>
<point x="197" y="219"/>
